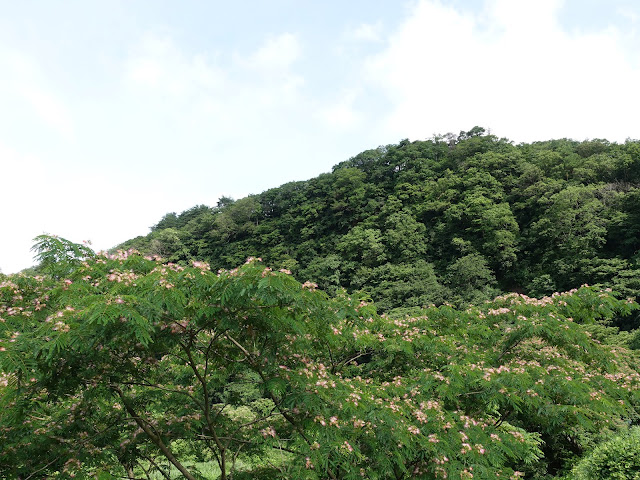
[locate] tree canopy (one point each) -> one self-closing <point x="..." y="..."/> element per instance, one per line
<point x="469" y="215"/>
<point x="131" y="366"/>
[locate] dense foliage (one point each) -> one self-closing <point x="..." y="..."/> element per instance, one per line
<point x="121" y="366"/>
<point x="615" y="459"/>
<point x="455" y="218"/>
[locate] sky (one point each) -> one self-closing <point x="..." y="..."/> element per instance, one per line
<point x="114" y="112"/>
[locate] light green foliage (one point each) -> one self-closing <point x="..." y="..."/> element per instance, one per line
<point x="363" y="246"/>
<point x="542" y="286"/>
<point x="168" y="243"/>
<point x="615" y="459"/>
<point x="130" y="365"/>
<point x="408" y="284"/>
<point x="575" y="223"/>
<point x="471" y="279"/>
<point x="327" y="270"/>
<point x="59" y="256"/>
<point x="405" y="237"/>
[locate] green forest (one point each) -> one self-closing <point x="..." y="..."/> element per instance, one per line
<point x="453" y="219"/>
<point x="460" y="307"/>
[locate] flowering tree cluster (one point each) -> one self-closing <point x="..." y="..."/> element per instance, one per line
<point x="120" y="365"/>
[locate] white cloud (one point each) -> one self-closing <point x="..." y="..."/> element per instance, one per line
<point x="514" y="70"/>
<point x="146" y="71"/>
<point x="158" y="64"/>
<point x="631" y="15"/>
<point x="225" y="115"/>
<point x="49" y="108"/>
<point x="278" y="53"/>
<point x="368" y="32"/>
<point x="25" y="84"/>
<point x="174" y="136"/>
<point x="524" y="18"/>
<point x="262" y="79"/>
<point x="23" y="182"/>
<point x="43" y="195"/>
<point x="342" y="115"/>
<point x="274" y="81"/>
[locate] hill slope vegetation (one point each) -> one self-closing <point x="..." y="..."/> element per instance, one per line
<point x="167" y="360"/>
<point x="455" y="218"/>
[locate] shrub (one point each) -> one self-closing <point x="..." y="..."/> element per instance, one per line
<point x="615" y="459"/>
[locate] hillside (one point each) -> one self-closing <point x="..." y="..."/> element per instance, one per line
<point x="191" y="361"/>
<point x="455" y="218"/>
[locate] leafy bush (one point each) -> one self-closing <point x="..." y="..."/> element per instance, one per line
<point x="615" y="459"/>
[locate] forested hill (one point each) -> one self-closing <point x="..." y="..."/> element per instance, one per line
<point x="452" y="219"/>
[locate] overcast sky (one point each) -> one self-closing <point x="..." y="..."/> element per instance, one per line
<point x="113" y="113"/>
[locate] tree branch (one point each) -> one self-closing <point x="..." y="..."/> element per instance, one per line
<point x="155" y="438"/>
